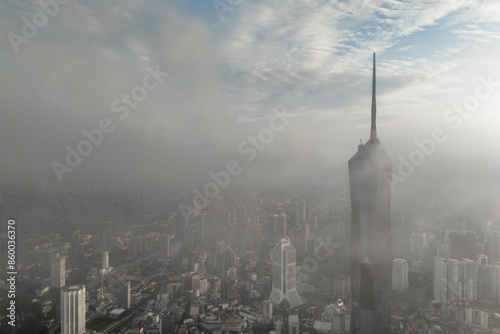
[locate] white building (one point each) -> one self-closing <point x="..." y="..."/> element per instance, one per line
<point x="455" y="280"/>
<point x="293" y="324"/>
<point x="105" y="260"/>
<point x="57" y="270"/>
<point x="73" y="309"/>
<point x="400" y="275"/>
<point x="284" y="291"/>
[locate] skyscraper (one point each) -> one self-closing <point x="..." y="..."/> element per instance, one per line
<point x="284" y="293"/>
<point x="400" y="275"/>
<point x="57" y="270"/>
<point x="124" y="297"/>
<point x="105" y="260"/>
<point x="493" y="246"/>
<point x="165" y="247"/>
<point x="167" y="324"/>
<point x="371" y="245"/>
<point x="267" y="311"/>
<point x="279" y="226"/>
<point x="455" y="280"/>
<point x="440" y="293"/>
<point x="73" y="309"/>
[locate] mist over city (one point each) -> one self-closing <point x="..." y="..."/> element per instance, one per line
<point x="216" y="166"/>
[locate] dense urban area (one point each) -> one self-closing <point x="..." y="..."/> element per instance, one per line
<point x="138" y="261"/>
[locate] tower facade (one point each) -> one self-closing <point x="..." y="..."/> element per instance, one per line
<point x="57" y="270"/>
<point x="400" y="275"/>
<point x="105" y="260"/>
<point x="284" y="293"/>
<point x="73" y="309"/>
<point x="124" y="296"/>
<point x="371" y="245"/>
<point x="167" y="324"/>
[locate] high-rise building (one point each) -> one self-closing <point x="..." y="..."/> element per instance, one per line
<point x="400" y="275"/>
<point x="167" y="324"/>
<point x="284" y="293"/>
<point x="494" y="283"/>
<point x="105" y="260"/>
<point x="493" y="246"/>
<point x="225" y="287"/>
<point x="440" y="279"/>
<point x="124" y="297"/>
<point x="165" y="247"/>
<point x="203" y="285"/>
<point x="300" y="212"/>
<point x="455" y="280"/>
<point x="420" y="243"/>
<point x="267" y="311"/>
<point x="279" y="226"/>
<point x="57" y="270"/>
<point x="371" y="245"/>
<point x="470" y="278"/>
<point x="463" y="245"/>
<point x="73" y="309"/>
<point x="293" y="324"/>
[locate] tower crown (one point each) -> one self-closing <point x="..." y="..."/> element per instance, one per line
<point x="373" y="132"/>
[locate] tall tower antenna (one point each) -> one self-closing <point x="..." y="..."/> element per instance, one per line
<point x="373" y="132"/>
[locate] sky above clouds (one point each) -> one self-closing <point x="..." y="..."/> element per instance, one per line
<point x="230" y="64"/>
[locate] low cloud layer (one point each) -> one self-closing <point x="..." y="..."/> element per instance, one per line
<point x="225" y="78"/>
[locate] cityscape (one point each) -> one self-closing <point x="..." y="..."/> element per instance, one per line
<point x="233" y="166"/>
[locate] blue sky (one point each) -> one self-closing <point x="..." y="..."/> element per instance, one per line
<point x="228" y="70"/>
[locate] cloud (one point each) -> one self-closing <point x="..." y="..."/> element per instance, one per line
<point x="225" y="77"/>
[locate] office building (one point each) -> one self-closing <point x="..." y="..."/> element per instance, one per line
<point x="267" y="311"/>
<point x="284" y="293"/>
<point x="105" y="260"/>
<point x="57" y="270"/>
<point x="167" y="324"/>
<point x="371" y="245"/>
<point x="73" y="309"/>
<point x="400" y="275"/>
<point x="455" y="280"/>
<point x="124" y="296"/>
<point x="279" y="226"/>
<point x="293" y="324"/>
<point x="440" y="279"/>
<point x="165" y="247"/>
<point x="492" y="246"/>
<point x="493" y="283"/>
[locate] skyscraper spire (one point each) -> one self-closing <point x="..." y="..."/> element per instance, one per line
<point x="373" y="132"/>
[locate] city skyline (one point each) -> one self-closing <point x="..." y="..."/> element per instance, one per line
<point x="187" y="166"/>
